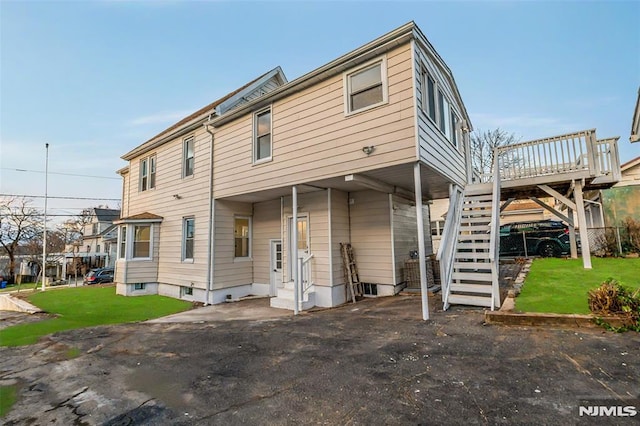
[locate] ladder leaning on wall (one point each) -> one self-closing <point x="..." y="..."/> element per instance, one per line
<point x="354" y="286"/>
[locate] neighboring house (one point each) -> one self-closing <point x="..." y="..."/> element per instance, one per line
<point x="98" y="247"/>
<point x="341" y="146"/>
<point x="254" y="193"/>
<point x="623" y="199"/>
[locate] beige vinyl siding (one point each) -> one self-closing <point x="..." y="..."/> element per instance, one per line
<point x="312" y="138"/>
<point x="371" y="236"/>
<point x="435" y="149"/>
<point x="228" y="271"/>
<point x="405" y="237"/>
<point x="340" y="230"/>
<point x="145" y="271"/>
<point x="193" y="201"/>
<point x="119" y="272"/>
<point x="266" y="227"/>
<point x="315" y="206"/>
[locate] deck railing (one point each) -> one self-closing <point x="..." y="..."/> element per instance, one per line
<point x="577" y="153"/>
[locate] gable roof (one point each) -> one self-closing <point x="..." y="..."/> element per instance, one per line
<point x="629" y="164"/>
<point x="139" y="218"/>
<point x="217" y="107"/>
<point x="106" y="215"/>
<point x="397" y="37"/>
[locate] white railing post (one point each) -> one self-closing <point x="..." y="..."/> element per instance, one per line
<point x="494" y="244"/>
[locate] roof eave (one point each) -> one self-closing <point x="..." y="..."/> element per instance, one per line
<point x="374" y="48"/>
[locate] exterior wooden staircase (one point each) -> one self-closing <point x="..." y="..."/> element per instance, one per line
<point x="474" y="274"/>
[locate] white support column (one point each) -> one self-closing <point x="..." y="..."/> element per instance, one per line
<point x="294" y="249"/>
<point x="573" y="247"/>
<point x="582" y="223"/>
<point x="421" y="245"/>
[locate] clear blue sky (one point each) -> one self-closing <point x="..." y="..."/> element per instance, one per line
<point x="94" y="79"/>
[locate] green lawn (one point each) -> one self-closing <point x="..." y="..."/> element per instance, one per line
<point x="8" y="396"/>
<point x="561" y="285"/>
<point x="85" y="307"/>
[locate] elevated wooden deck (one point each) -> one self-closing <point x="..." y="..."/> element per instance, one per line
<point x="558" y="162"/>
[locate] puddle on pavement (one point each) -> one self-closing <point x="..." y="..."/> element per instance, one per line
<point x="161" y="386"/>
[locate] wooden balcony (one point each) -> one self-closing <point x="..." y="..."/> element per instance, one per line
<point x="557" y="162"/>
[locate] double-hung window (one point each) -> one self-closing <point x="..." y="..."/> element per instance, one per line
<point x="142" y="241"/>
<point x="188" y="235"/>
<point x="144" y="174"/>
<point x="429" y="95"/>
<point x="262" y="135"/>
<point x="242" y="237"/>
<point x="188" y="156"/>
<point x="123" y="242"/>
<point x="148" y="173"/>
<point x="366" y="87"/>
<point x="152" y="171"/>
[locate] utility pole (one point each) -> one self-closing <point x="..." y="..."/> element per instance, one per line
<point x="44" y="235"/>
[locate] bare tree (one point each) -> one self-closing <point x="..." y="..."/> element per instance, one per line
<point x="483" y="144"/>
<point x="20" y="225"/>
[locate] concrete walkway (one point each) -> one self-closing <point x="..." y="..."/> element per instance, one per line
<point x="249" y="309"/>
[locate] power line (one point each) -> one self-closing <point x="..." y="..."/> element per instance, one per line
<point x="63" y="174"/>
<point x="60" y="198"/>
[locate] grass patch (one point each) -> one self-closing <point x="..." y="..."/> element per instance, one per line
<point x="87" y="307"/>
<point x="8" y="397"/>
<point x="561" y="286"/>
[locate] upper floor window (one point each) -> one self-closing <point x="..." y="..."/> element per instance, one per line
<point x="262" y="135"/>
<point x="438" y="108"/>
<point x="94" y="229"/>
<point x="188" y="156"/>
<point x="148" y="173"/>
<point x="188" y="234"/>
<point x="366" y="87"/>
<point x="242" y="236"/>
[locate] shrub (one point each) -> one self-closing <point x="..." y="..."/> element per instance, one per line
<point x="611" y="298"/>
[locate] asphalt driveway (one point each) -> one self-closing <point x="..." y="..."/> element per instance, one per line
<point x="371" y="363"/>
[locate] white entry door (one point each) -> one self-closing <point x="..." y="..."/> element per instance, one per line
<point x="276" y="266"/>
<point x="303" y="241"/>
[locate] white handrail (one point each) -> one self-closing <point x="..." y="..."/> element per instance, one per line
<point x="447" y="249"/>
<point x="494" y="242"/>
<point x="305" y="271"/>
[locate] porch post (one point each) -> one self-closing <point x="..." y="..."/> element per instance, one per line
<point x="294" y="249"/>
<point x="582" y="223"/>
<point x="572" y="235"/>
<point x="421" y="245"/>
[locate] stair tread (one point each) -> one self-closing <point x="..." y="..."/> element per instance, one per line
<point x="473" y="276"/>
<point x="471" y="288"/>
<point x="461" y="299"/>
<point x="471" y="265"/>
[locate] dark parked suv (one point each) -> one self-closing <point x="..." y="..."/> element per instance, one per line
<point x="97" y="276"/>
<point x="546" y="238"/>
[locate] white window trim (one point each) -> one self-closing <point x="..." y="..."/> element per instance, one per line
<point x="184" y="157"/>
<point x="346" y="85"/>
<point x="144" y="173"/>
<point x="120" y="255"/>
<point x="255" y="136"/>
<point x="147" y="161"/>
<point x="129" y="243"/>
<point x="250" y="238"/>
<point x="186" y="259"/>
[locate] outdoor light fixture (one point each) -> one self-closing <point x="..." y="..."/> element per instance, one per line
<point x="177" y="196"/>
<point x="368" y="149"/>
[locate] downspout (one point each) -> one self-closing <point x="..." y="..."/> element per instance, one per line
<point x="210" y="249"/>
